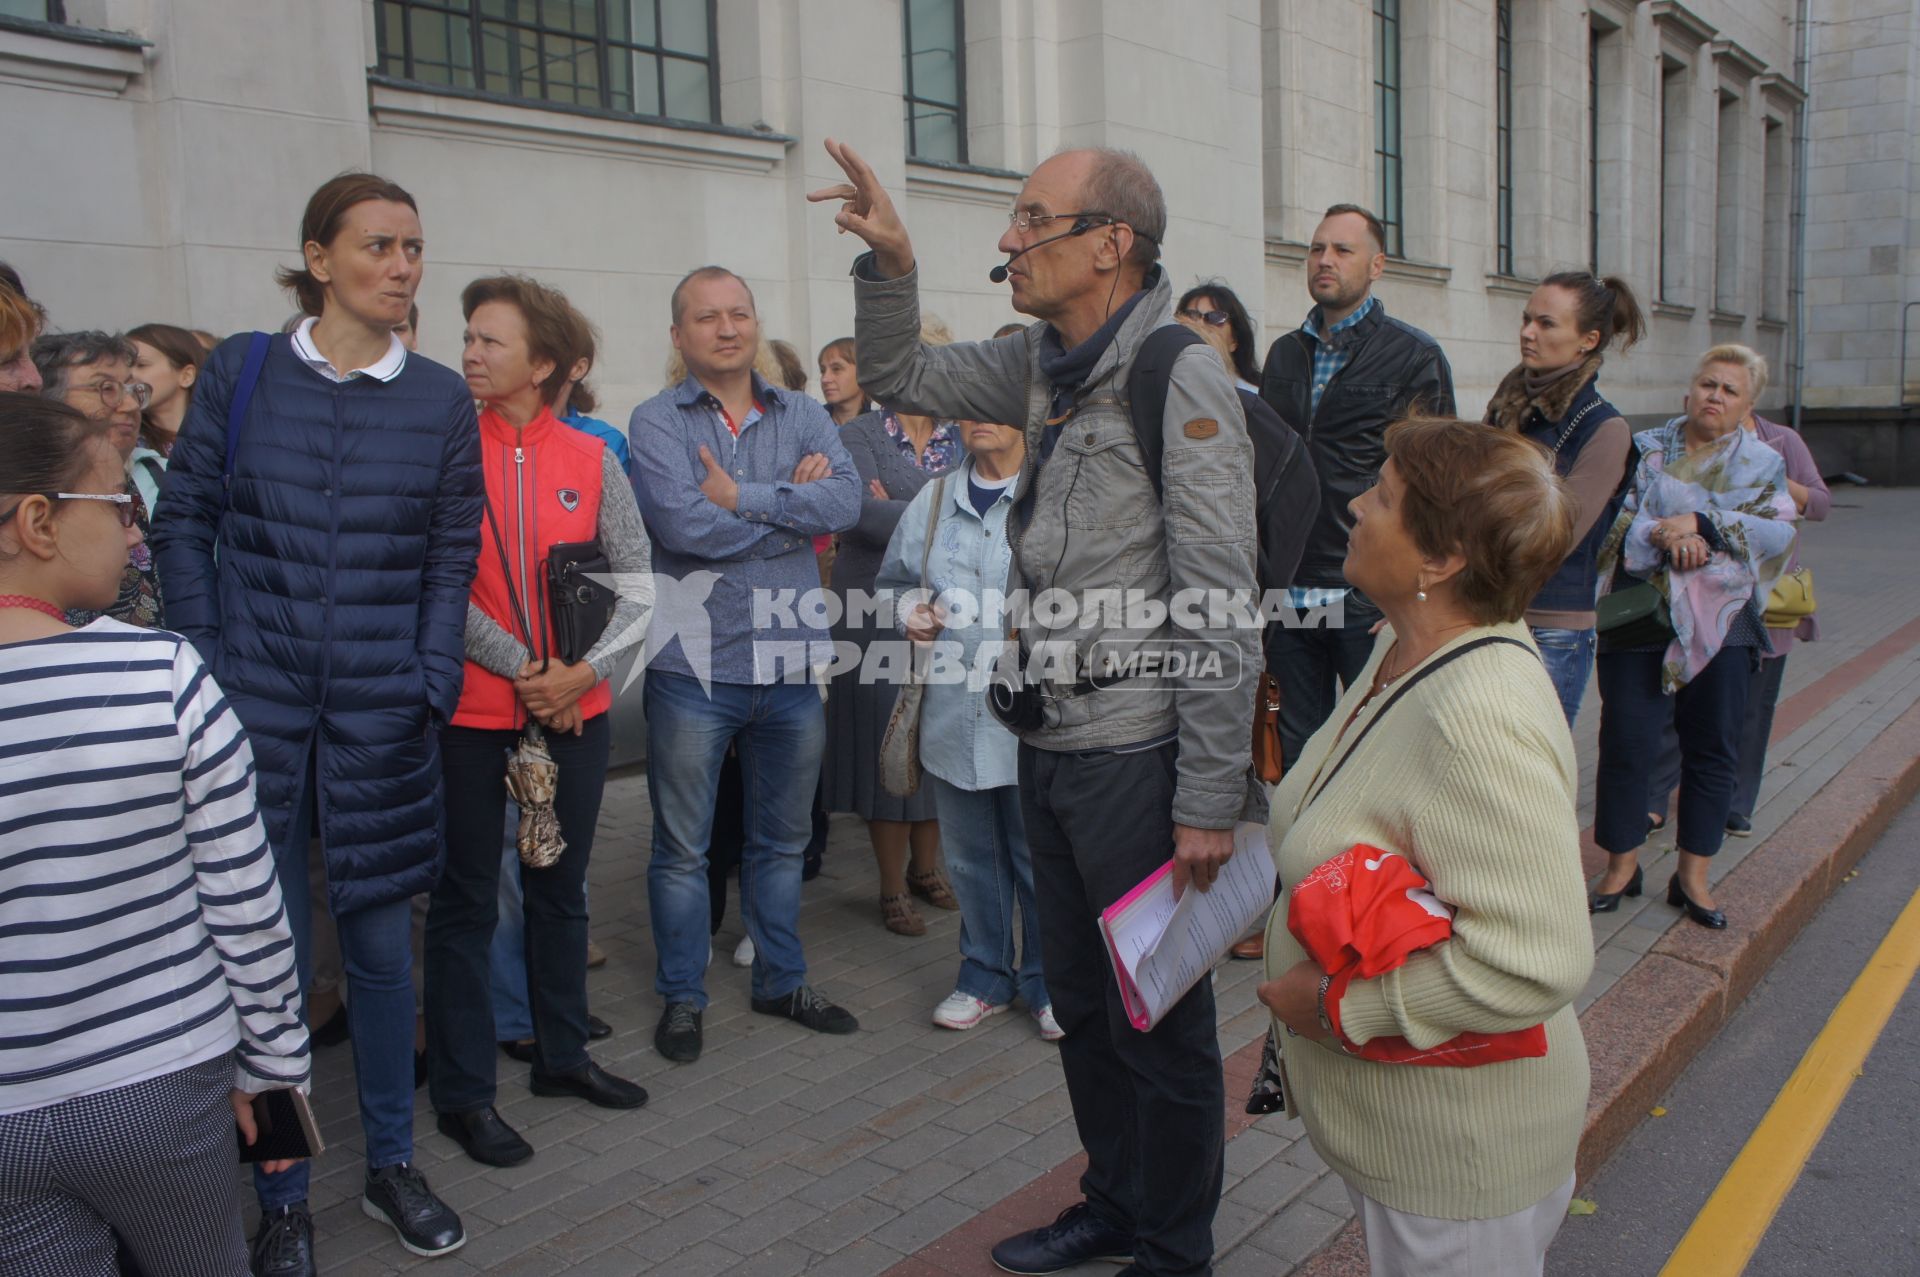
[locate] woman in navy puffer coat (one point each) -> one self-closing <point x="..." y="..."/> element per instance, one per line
<point x="327" y="589"/>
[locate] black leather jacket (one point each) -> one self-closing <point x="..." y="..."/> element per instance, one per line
<point x="1394" y="367"/>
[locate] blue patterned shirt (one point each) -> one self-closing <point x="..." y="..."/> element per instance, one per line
<point x="1330" y="355"/>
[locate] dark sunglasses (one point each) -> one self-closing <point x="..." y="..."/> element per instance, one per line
<point x="1211" y="318"/>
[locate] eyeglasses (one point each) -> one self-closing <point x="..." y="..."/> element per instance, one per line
<point x="1025" y="222"/>
<point x="1211" y="318"/>
<point x="110" y="393"/>
<point x="122" y="504"/>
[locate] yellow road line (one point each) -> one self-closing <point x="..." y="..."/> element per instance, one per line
<point x="1729" y="1227"/>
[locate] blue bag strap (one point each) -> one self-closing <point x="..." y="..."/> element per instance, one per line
<point x="237" y="407"/>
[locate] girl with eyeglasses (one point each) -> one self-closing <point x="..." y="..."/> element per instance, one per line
<point x="92" y="372"/>
<point x="144" y="948"/>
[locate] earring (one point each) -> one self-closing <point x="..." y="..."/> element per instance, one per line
<point x="1420" y="596"/>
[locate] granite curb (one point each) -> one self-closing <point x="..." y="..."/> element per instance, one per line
<point x="1643" y="1032"/>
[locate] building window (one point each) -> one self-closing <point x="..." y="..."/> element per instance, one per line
<point x="1775" y="196"/>
<point x="635" y="57"/>
<point x="936" y="78"/>
<point x="33" y="10"/>
<point x="1673" y="179"/>
<point x="1503" y="134"/>
<point x="1386" y="117"/>
<point x="1728" y="208"/>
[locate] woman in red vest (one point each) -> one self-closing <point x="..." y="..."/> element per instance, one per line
<point x="547" y="485"/>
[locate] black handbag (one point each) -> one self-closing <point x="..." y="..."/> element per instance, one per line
<point x="1633" y="617"/>
<point x="579" y="606"/>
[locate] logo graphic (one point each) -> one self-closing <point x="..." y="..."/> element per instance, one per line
<point x="569" y="499"/>
<point x="671" y="608"/>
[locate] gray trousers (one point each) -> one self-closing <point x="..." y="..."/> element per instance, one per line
<point x="1400" y="1244"/>
<point x="152" y="1162"/>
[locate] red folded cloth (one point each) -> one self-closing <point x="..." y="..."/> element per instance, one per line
<point x="1359" y="915"/>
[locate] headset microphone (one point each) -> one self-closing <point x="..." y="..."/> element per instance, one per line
<point x="999" y="273"/>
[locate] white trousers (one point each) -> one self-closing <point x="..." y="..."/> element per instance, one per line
<point x="1400" y="1244"/>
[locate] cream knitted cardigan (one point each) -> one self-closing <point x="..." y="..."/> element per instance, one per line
<point x="1471" y="776"/>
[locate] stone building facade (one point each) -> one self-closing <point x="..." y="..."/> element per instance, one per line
<point x="160" y="151"/>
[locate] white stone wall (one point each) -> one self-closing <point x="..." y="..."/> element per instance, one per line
<point x="1863" y="234"/>
<point x="167" y="182"/>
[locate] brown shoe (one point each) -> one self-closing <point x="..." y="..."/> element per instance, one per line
<point x="596" y="956"/>
<point x="1252" y="949"/>
<point x="932" y="886"/>
<point x="901" y="917"/>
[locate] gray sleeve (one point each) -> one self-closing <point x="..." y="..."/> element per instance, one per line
<point x="491" y="647"/>
<point x="976" y="380"/>
<point x="624" y="538"/>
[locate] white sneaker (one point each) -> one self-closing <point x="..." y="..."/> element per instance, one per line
<point x="743" y="952"/>
<point x="1050" y="1030"/>
<point x="962" y="1011"/>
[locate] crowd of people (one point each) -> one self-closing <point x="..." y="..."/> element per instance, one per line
<point x="312" y="732"/>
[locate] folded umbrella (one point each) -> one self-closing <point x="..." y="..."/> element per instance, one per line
<point x="532" y="778"/>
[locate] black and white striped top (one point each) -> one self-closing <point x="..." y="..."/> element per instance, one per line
<point x="141" y="928"/>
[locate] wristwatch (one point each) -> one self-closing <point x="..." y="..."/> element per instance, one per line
<point x="1320" y="1004"/>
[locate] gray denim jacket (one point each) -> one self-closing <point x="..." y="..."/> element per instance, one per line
<point x="1096" y="528"/>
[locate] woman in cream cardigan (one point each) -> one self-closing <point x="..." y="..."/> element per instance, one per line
<point x="1453" y="1171"/>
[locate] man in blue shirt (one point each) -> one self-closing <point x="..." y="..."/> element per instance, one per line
<point x="735" y="478"/>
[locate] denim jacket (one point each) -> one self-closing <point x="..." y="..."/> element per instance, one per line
<point x="960" y="741"/>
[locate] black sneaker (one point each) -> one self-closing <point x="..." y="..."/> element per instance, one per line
<point x="398" y="1195"/>
<point x="1739" y="826"/>
<point x="678" y="1035"/>
<point x="804" y="1006"/>
<point x="284" y="1245"/>
<point x="1077" y="1236"/>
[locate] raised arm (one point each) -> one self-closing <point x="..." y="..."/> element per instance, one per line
<point x="239" y="897"/>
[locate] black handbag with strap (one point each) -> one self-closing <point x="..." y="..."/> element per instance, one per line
<point x="580" y="606"/>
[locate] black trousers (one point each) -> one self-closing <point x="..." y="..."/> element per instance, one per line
<point x="1313" y="667"/>
<point x="1756" y="732"/>
<point x="1150" y="1107"/>
<point x="466" y="905"/>
<point x="1708" y="714"/>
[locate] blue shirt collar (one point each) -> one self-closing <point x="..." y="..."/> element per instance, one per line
<point x="691" y="392"/>
<point x="1312" y="326"/>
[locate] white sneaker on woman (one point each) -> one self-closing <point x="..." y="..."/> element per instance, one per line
<point x="1050" y="1030"/>
<point x="962" y="1011"/>
<point x="743" y="952"/>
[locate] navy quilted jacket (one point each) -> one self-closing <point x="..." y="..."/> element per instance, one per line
<point x="333" y="614"/>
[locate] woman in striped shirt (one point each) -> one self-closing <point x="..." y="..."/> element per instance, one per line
<point x="146" y="969"/>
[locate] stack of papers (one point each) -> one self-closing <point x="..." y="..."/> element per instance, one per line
<point x="1161" y="947"/>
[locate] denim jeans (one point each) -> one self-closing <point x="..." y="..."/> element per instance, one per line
<point x="1707" y="713"/>
<point x="507" y="959"/>
<point x="986" y="848"/>
<point x="1150" y="1107"/>
<point x="376" y="955"/>
<point x="779" y="730"/>
<point x="1568" y="656"/>
<point x="461" y="1037"/>
<point x="1313" y="665"/>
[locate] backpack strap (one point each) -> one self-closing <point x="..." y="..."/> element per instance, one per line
<point x="1147" y="383"/>
<point x="237" y="408"/>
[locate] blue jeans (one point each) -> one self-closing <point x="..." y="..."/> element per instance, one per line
<point x="507" y="960"/>
<point x="986" y="848"/>
<point x="779" y="731"/>
<point x="1568" y="656"/>
<point x="376" y="955"/>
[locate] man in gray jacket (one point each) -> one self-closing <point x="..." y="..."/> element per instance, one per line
<point x="1118" y="771"/>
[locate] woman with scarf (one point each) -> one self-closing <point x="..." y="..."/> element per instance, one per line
<point x="1552" y="398"/>
<point x="1708" y="523"/>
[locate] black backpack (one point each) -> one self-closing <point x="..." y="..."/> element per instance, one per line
<point x="1286" y="490"/>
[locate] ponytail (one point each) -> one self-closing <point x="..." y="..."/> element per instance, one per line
<point x="1606" y="306"/>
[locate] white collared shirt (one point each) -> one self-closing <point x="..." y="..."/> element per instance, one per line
<point x="385" y="368"/>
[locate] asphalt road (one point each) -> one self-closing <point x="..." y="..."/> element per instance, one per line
<point x="1853" y="1211"/>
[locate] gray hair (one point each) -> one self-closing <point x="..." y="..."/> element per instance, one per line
<point x="1733" y="353"/>
<point x="57" y="354"/>
<point x="699" y="274"/>
<point x="1121" y="186"/>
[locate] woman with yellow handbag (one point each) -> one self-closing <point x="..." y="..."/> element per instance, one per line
<point x="1789" y="618"/>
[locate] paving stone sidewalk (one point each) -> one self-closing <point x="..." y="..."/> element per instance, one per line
<point x="783" y="1152"/>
